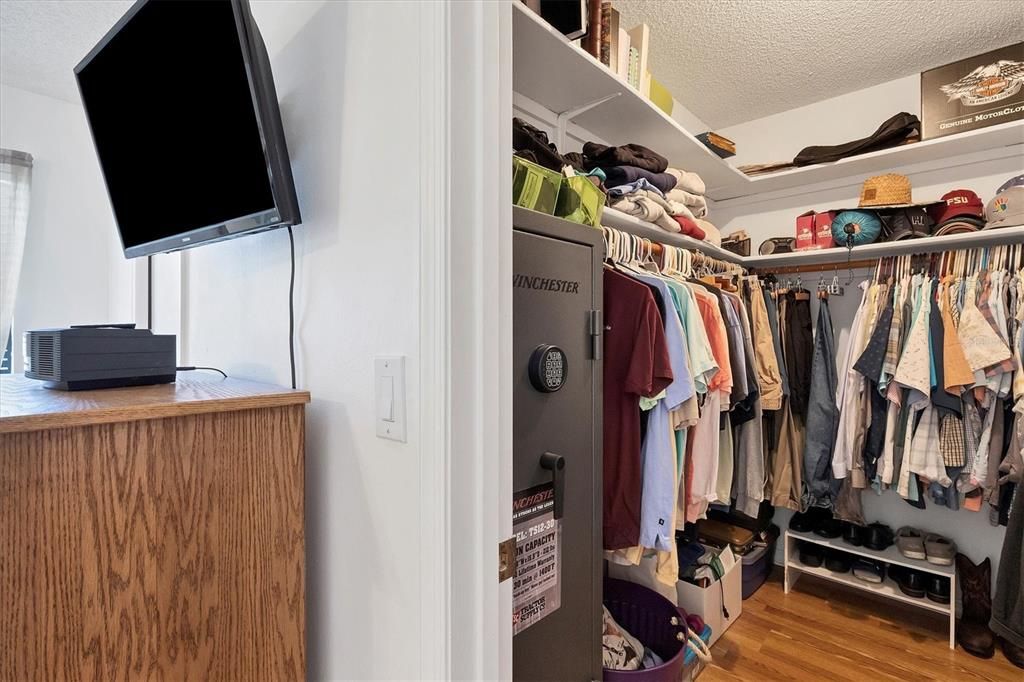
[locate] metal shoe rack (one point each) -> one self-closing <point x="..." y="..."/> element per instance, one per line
<point x="887" y="589"/>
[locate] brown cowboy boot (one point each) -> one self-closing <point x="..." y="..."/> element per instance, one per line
<point x="972" y="631"/>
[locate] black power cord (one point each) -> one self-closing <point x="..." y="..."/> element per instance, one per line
<point x="208" y="369"/>
<point x="291" y="307"/>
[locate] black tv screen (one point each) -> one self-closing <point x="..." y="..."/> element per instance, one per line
<point x="180" y="100"/>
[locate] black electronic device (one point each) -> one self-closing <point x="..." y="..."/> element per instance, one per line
<point x="99" y="356"/>
<point x="181" y="103"/>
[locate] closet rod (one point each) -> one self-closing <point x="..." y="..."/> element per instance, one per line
<point x="816" y="267"/>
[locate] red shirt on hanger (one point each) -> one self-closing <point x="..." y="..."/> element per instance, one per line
<point x="636" y="363"/>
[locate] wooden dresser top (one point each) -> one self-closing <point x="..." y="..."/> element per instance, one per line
<point x="25" y="405"/>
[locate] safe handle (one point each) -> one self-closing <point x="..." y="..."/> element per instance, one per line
<point x="556" y="465"/>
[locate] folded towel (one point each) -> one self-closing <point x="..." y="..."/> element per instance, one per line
<point x="671" y="207"/>
<point x="624" y="175"/>
<point x="713" y="235"/>
<point x="691" y="182"/>
<point x="697" y="204"/>
<point x="648" y="210"/>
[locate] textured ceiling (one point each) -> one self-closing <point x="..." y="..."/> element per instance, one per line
<point x="41" y="41"/>
<point x="730" y="61"/>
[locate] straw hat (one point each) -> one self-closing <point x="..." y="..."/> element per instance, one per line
<point x="891" y="190"/>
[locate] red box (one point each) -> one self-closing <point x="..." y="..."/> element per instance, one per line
<point x="823" y="229"/>
<point x="805" y="240"/>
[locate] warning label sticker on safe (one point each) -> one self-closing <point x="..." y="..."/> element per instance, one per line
<point x="536" y="589"/>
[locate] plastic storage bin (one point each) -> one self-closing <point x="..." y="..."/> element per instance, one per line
<point x="580" y="201"/>
<point x="655" y="621"/>
<point x="757" y="564"/>
<point x="534" y="187"/>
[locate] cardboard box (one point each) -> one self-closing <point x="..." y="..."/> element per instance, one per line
<point x="973" y="93"/>
<point x="823" y="229"/>
<point x="805" y="232"/>
<point x="707" y="602"/>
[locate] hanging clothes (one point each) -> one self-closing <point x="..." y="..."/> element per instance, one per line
<point x="820" y="488"/>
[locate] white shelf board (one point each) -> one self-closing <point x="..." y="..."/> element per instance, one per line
<point x="553" y="72"/>
<point x="890" y="556"/>
<point x="883" y="161"/>
<point x="887" y="588"/>
<point x="839" y="255"/>
<point x="627" y="223"/>
<point x="556" y="74"/>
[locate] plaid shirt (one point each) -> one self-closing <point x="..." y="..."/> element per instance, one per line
<point x="951" y="441"/>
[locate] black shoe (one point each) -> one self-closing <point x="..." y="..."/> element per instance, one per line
<point x="805" y="522"/>
<point x="937" y="589"/>
<point x="811" y="555"/>
<point x="838" y="562"/>
<point x="829" y="528"/>
<point x="853" y="534"/>
<point x="869" y="571"/>
<point x="912" y="583"/>
<point x="878" y="536"/>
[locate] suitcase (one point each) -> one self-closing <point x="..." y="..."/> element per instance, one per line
<point x="720" y="534"/>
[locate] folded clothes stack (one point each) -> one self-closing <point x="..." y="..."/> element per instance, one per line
<point x="640" y="183"/>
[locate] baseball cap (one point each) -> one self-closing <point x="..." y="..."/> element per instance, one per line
<point x="1015" y="181"/>
<point x="1006" y="209"/>
<point x="959" y="226"/>
<point x="959" y="202"/>
<point x="908" y="223"/>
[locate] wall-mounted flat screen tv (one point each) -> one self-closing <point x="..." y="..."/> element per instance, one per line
<point x="181" y="103"/>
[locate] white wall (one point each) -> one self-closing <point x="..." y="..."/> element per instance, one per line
<point x="831" y="121"/>
<point x="74" y="271"/>
<point x="346" y="76"/>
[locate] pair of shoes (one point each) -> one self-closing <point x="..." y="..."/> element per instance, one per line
<point x="918" y="584"/>
<point x="838" y="562"/>
<point x="853" y="534"/>
<point x="878" y="536"/>
<point x="932" y="547"/>
<point x="869" y="571"/>
<point x="810" y="520"/>
<point x="811" y="554"/>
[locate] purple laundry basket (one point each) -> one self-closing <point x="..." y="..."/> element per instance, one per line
<point x="653" y="620"/>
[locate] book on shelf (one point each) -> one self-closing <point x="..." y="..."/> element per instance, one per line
<point x="606" y="33"/>
<point x="640" y="38"/>
<point x="593" y="38"/>
<point x="622" y="55"/>
<point x="633" y="74"/>
<point x="722" y="146"/>
<point x="660" y="96"/>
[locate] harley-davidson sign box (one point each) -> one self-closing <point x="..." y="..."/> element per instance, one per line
<point x="973" y="93"/>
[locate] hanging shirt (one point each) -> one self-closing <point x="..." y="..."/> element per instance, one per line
<point x="658" y="455"/>
<point x="636" y="364"/>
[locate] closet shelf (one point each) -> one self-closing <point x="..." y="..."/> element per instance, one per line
<point x="627" y="223"/>
<point x="886" y="588"/>
<point x="838" y="255"/>
<point x="889" y="556"/>
<point x="553" y="72"/>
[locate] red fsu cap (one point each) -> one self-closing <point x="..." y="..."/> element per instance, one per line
<point x="957" y="204"/>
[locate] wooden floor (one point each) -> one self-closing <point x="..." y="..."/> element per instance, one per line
<point x="823" y="631"/>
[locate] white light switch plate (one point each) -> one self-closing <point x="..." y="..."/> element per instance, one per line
<point x="389" y="388"/>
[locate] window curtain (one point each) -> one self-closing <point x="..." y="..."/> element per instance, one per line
<point x="15" y="186"/>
